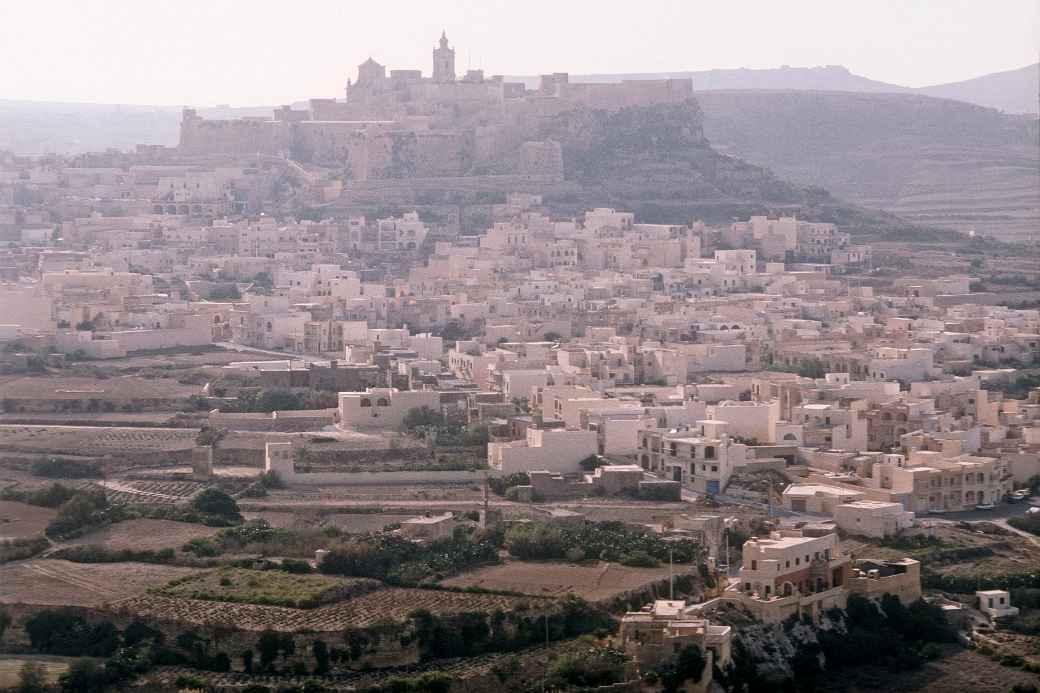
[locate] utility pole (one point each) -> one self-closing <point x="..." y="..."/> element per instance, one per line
<point x="545" y="674"/>
<point x="671" y="576"/>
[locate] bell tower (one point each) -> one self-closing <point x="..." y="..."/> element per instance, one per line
<point x="443" y="61"/>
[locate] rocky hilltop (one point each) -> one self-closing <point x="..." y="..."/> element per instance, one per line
<point x="657" y="161"/>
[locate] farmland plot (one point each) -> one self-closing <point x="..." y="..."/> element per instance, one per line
<point x="21" y="520"/>
<point x="63" y="583"/>
<point x="592" y="581"/>
<point x="144" y="534"/>
<point x="387" y="605"/>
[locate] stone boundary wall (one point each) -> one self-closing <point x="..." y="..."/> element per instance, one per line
<point x="388" y="478"/>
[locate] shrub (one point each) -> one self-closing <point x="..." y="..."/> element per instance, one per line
<point x="591" y="462"/>
<point x="296" y="567"/>
<point x="609" y="541"/>
<point x="588" y="669"/>
<point x="213" y="501"/>
<point x="192" y="682"/>
<point x="84" y="510"/>
<point x="24" y="547"/>
<point x="534" y="541"/>
<point x="639" y="559"/>
<point x="500" y="485"/>
<point x="97" y="553"/>
<point x="60" y="632"/>
<point x="53" y="468"/>
<point x="396" y="560"/>
<point x="32" y="678"/>
<point x="575" y="554"/>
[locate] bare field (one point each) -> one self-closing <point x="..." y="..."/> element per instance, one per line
<point x="594" y="581"/>
<point x="145" y="534"/>
<point x="11" y="665"/>
<point x="391" y="604"/>
<point x="63" y="583"/>
<point x="18" y="520"/>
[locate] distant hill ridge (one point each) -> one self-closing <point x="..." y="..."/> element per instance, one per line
<point x="933" y="161"/>
<point x="1011" y="91"/>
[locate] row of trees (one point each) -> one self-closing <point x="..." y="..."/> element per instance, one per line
<point x="396" y="560"/>
<point x="608" y="541"/>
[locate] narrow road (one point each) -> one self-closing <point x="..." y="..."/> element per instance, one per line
<point x="285" y="356"/>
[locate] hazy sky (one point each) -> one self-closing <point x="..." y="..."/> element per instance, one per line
<point x="251" y="52"/>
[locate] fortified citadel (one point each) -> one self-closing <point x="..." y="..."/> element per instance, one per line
<point x="403" y="125"/>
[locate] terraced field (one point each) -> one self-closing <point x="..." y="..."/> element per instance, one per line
<point x="461" y="668"/>
<point x="387" y="605"/>
<point x="268" y="587"/>
<point x="95" y="440"/>
<point x="121" y="492"/>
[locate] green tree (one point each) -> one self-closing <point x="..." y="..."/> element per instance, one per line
<point x="268" y="646"/>
<point x="83" y="676"/>
<point x="534" y="542"/>
<point x="321" y="657"/>
<point x="213" y="501"/>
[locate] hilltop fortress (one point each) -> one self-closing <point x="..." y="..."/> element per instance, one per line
<point x="403" y="125"/>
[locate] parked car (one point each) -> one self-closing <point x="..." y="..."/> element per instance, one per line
<point x="985" y="506"/>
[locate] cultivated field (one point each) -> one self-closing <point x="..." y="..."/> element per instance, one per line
<point x="120" y="492"/>
<point x="95" y="440"/>
<point x="19" y="520"/>
<point x="592" y="581"/>
<point x="387" y="605"/>
<point x="61" y="583"/>
<point x="267" y="587"/>
<point x="144" y="534"/>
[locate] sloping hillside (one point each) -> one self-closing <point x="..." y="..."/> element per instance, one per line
<point x="933" y="161"/>
<point x="1013" y="91"/>
<point x="656" y="161"/>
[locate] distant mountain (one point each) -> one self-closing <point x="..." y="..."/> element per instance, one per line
<point x="46" y="127"/>
<point x="933" y="161"/>
<point x="1014" y="91"/>
<point x="827" y="78"/>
